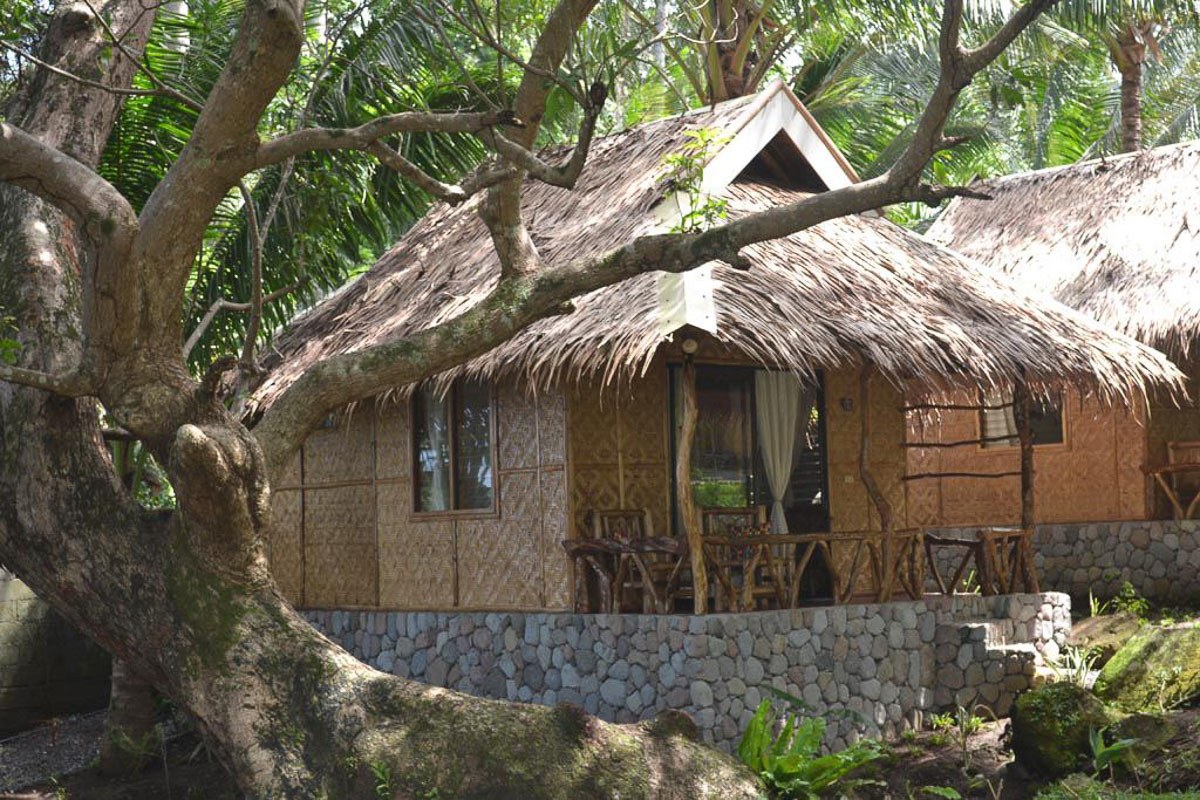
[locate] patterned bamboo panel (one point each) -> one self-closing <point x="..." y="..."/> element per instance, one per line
<point x="291" y="474"/>
<point x="393" y="449"/>
<point x="646" y="487"/>
<point x="340" y="574"/>
<point x="552" y="426"/>
<point x="593" y="487"/>
<point x="516" y="429"/>
<point x="284" y="543"/>
<point x="342" y="515"/>
<point x="594" y="419"/>
<point x="500" y="563"/>
<point x="416" y="559"/>
<point x="643" y="419"/>
<point x="1130" y="456"/>
<point x="340" y="557"/>
<point x="555" y="566"/>
<point x="340" y="453"/>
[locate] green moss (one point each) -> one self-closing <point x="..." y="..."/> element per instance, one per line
<point x="1159" y="667"/>
<point x="209" y="607"/>
<point x="1050" y="727"/>
<point x="1079" y="787"/>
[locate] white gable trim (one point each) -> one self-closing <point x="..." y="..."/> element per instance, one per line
<point x="687" y="299"/>
<point x="781" y="111"/>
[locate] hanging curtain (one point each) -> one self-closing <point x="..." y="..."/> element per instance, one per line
<point x="999" y="421"/>
<point x="777" y="397"/>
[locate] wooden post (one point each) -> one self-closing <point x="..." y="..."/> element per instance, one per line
<point x="877" y="498"/>
<point x="683" y="483"/>
<point x="1022" y="413"/>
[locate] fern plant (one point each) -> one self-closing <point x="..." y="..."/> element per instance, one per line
<point x="790" y="763"/>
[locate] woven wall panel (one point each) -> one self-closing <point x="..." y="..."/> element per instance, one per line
<point x="850" y="505"/>
<point x="291" y="473"/>
<point x="516" y="429"/>
<point x="552" y="426"/>
<point x="416" y="559"/>
<point x="343" y="515"/>
<point x="646" y="487"/>
<point x="393" y="448"/>
<point x="340" y="453"/>
<point x="1130" y="455"/>
<point x="500" y="562"/>
<point x="594" y="420"/>
<point x="555" y="567"/>
<point x="1089" y="478"/>
<point x="643" y="418"/>
<point x="592" y="488"/>
<point x="284" y="543"/>
<point x="340" y="575"/>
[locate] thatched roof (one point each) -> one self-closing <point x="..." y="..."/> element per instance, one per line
<point x="852" y="289"/>
<point x="1118" y="239"/>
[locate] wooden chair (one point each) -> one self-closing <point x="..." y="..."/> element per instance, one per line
<point x="741" y="579"/>
<point x="647" y="570"/>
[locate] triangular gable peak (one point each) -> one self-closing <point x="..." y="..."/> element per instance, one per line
<point x="777" y="140"/>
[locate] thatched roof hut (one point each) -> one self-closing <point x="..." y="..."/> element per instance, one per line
<point x="371" y="513"/>
<point x="1117" y="239"/>
<point x="857" y="288"/>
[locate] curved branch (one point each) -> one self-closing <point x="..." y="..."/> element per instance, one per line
<point x="313" y="139"/>
<point x="60" y="180"/>
<point x="75" y="384"/>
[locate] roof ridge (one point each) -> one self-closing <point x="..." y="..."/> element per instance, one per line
<point x="1115" y="160"/>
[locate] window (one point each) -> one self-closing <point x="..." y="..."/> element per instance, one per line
<point x="452" y="435"/>
<point x="1045" y="421"/>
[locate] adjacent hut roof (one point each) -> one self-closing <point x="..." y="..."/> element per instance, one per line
<point x="852" y="289"/>
<point x="1118" y="239"/>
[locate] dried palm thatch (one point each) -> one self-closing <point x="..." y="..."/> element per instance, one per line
<point x="852" y="290"/>
<point x="1117" y="239"/>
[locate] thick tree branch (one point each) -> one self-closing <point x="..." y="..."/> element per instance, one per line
<point x="313" y="139"/>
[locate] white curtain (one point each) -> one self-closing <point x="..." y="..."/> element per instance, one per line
<point x="777" y="400"/>
<point x="999" y="421"/>
<point x="438" y="455"/>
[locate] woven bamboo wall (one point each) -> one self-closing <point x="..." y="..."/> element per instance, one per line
<point x="1094" y="475"/>
<point x="619" y="448"/>
<point x="344" y="533"/>
<point x="850" y="506"/>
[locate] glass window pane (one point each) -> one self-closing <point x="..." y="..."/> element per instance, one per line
<point x="722" y="452"/>
<point x="432" y="469"/>
<point x="473" y="451"/>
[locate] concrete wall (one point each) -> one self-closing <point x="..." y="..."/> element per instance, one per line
<point x="889" y="663"/>
<point x="47" y="668"/>
<point x="1160" y="558"/>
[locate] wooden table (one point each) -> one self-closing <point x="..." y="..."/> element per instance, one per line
<point x="618" y="563"/>
<point x="1160" y="476"/>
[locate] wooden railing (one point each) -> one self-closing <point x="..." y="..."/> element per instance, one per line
<point x="1000" y="559"/>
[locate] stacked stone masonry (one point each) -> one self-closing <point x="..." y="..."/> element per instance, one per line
<point x="1161" y="558"/>
<point x="889" y="664"/>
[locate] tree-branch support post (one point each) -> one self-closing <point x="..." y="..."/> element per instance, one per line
<point x="688" y="513"/>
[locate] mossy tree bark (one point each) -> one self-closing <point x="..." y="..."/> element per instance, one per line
<point x="185" y="599"/>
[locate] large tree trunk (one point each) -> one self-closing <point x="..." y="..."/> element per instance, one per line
<point x="185" y="599"/>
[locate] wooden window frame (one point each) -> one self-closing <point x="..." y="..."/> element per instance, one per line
<point x="493" y="511"/>
<point x="997" y="447"/>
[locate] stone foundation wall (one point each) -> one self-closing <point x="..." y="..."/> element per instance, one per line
<point x="47" y="667"/>
<point x="1161" y="558"/>
<point x="888" y="663"/>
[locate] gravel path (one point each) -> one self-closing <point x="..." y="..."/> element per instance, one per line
<point x="35" y="756"/>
